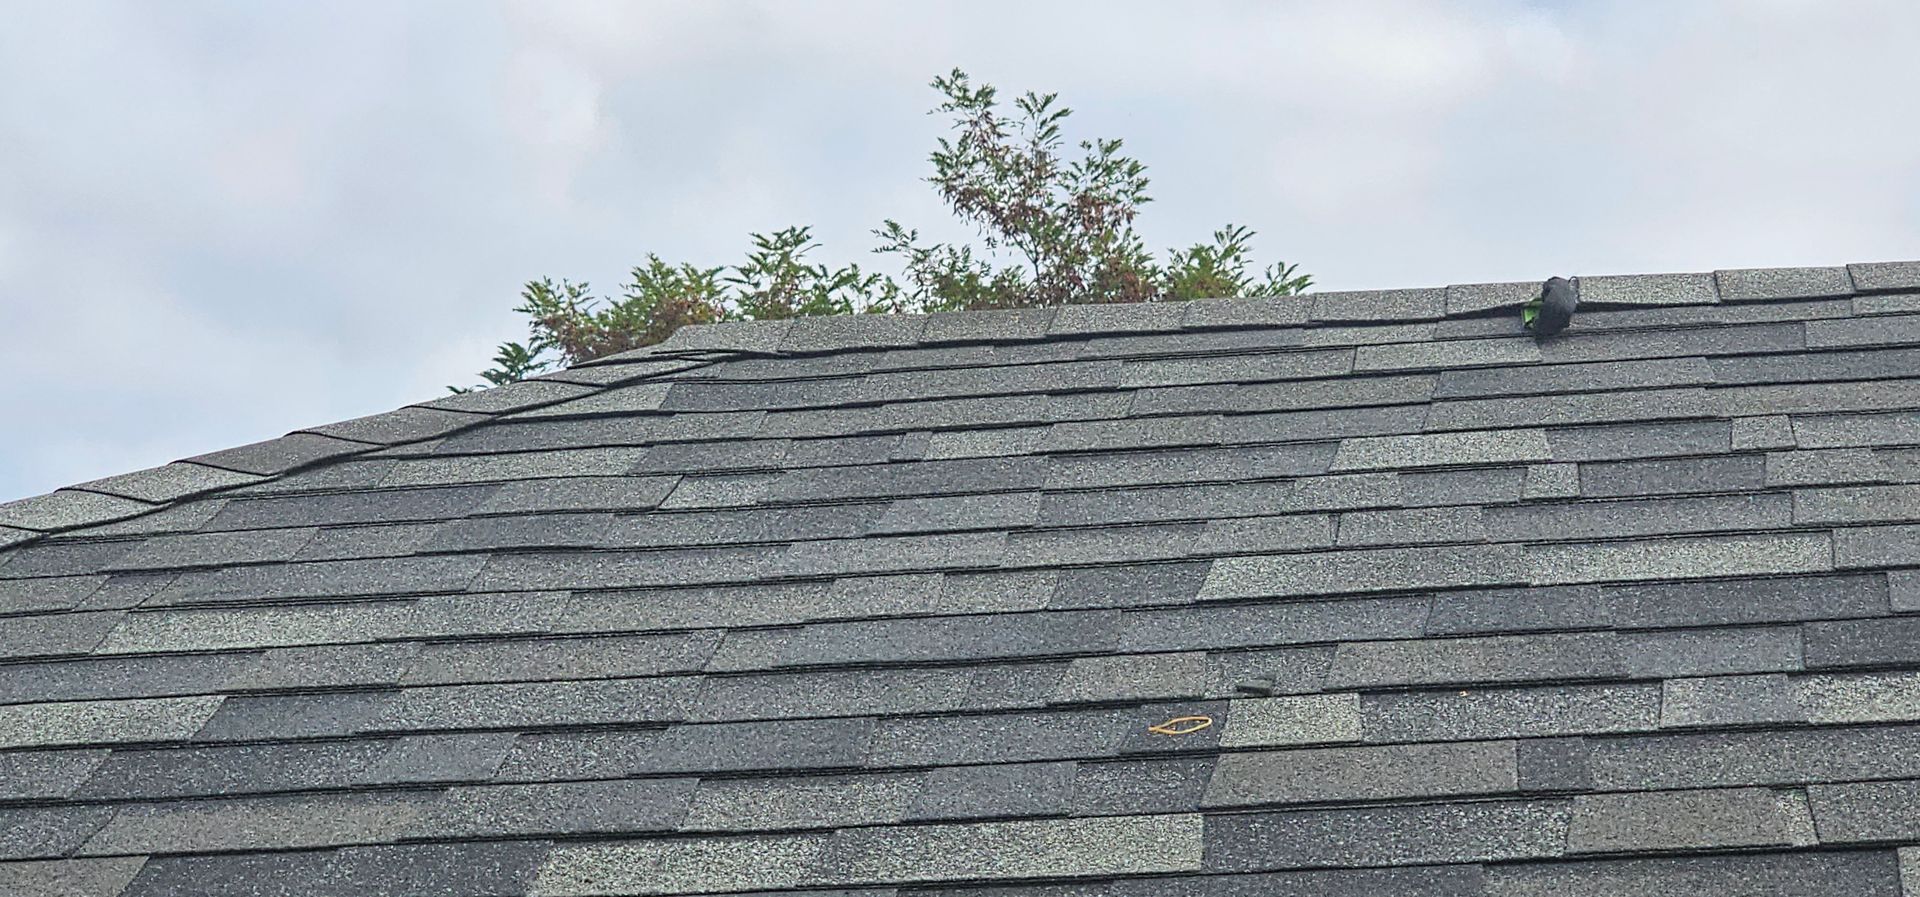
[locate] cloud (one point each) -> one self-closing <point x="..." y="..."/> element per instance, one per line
<point x="220" y="223"/>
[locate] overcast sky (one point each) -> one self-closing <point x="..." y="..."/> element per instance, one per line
<point x="222" y="222"/>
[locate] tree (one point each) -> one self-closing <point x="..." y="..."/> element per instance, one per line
<point x="1051" y="232"/>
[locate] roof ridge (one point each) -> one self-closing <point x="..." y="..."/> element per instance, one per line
<point x="140" y="493"/>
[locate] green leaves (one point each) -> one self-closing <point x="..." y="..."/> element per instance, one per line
<point x="1051" y="231"/>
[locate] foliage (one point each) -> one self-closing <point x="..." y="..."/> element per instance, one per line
<point x="1052" y="231"/>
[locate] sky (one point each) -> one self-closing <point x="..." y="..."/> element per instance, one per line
<point x="220" y="222"/>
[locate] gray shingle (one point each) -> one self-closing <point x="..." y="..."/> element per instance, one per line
<point x="69" y="878"/>
<point x="30" y="833"/>
<point x="569" y="808"/>
<point x="1241" y="625"/>
<point x="1326" y="395"/>
<point x="1319" y="573"/>
<point x="1880" y="330"/>
<point x="98" y="722"/>
<point x="1771" y="431"/>
<point x="1849" y="430"/>
<point x="1800" y="874"/>
<point x="693" y="866"/>
<point x="215" y="549"/>
<point x="1874" y="277"/>
<point x="1610" y="519"/>
<point x="1859" y="504"/>
<point x="1115" y="845"/>
<point x="1649" y="289"/>
<point x="1858" y="698"/>
<point x="1411" y="835"/>
<point x="363" y="542"/>
<point x="1447" y="354"/>
<point x="1747" y="555"/>
<point x="1822" y="467"/>
<point x="1585" y="408"/>
<point x="1727" y="701"/>
<point x="411" y="424"/>
<point x="45" y="594"/>
<point x="40" y="775"/>
<point x="1135" y="786"/>
<point x="995" y="791"/>
<point x="1648" y="440"/>
<point x="438" y="758"/>
<point x="1549" y="481"/>
<point x="205" y="826"/>
<point x="1876" y="546"/>
<point x="1863" y="643"/>
<point x="1517" y="610"/>
<point x="85" y="679"/>
<point x="1711" y="652"/>
<point x="276" y="456"/>
<point x="764" y="804"/>
<point x="54" y="634"/>
<point x="537" y="704"/>
<point x="1292" y="720"/>
<point x="965" y="512"/>
<point x="1442" y="449"/>
<point x="1409" y="527"/>
<point x="326" y="579"/>
<point x="1618" y="479"/>
<point x="551" y="659"/>
<point x="1320" y="424"/>
<point x="260" y="717"/>
<point x="1757" y="757"/>
<point x="1747" y="601"/>
<point x="348" y="508"/>
<point x="1510" y="712"/>
<point x="831" y="693"/>
<point x="463" y="469"/>
<point x="633" y="399"/>
<point x="1126" y="317"/>
<point x="1678" y="820"/>
<point x="740" y="336"/>
<point x="60" y="557"/>
<point x="1866" y="812"/>
<point x="1266" y="311"/>
<point x="1903" y="588"/>
<point x="67" y="509"/>
<point x="511" y="397"/>
<point x="998" y="738"/>
<point x="1265" y="534"/>
<point x="1373" y="306"/>
<point x="1105" y="545"/>
<point x="952" y="638"/>
<point x="1133" y="677"/>
<point x="1363" y="773"/>
<point x="11" y="536"/>
<point x="1130" y="585"/>
<point x="169" y="482"/>
<point x="739" y="747"/>
<point x="1470" y="298"/>
<point x="1472" y="660"/>
<point x="1553" y="764"/>
<point x="1645" y="373"/>
<point x="1764" y="284"/>
<point x="842" y="332"/>
<point x="235" y="769"/>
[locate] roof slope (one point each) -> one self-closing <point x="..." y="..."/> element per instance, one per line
<point x="893" y="605"/>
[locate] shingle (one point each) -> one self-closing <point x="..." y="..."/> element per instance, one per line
<point x="1647" y="440"/>
<point x="438" y="869"/>
<point x="738" y="336"/>
<point x="1876" y="546"/>
<point x="1157" y="503"/>
<point x="1747" y="555"/>
<point x="29" y="833"/>
<point x="438" y="758"/>
<point x="1251" y="368"/>
<point x="1263" y="311"/>
<point x="1859" y="364"/>
<point x="1866" y="812"/>
<point x="830" y="693"/>
<point x="953" y="638"/>
<point x="995" y="791"/>
<point x="1849" y="430"/>
<point x="1321" y="424"/>
<point x="61" y="557"/>
<point x="551" y="659"/>
<point x="261" y="717"/>
<point x="1586" y="408"/>
<point x="85" y="679"/>
<point x="1617" y="479"/>
<point x="1250" y="534"/>
<point x="842" y="332"/>
<point x="1517" y="610"/>
<point x="235" y="769"/>
<point x="1365" y="570"/>
<point x="463" y="469"/>
<point x="538" y="704"/>
<point x="1549" y="481"/>
<point x="1129" y="585"/>
<point x="11" y="536"/>
<point x="1747" y="601"/>
<point x="1903" y="587"/>
<point x="1671" y="339"/>
<point x="1373" y="306"/>
<point x="1411" y="526"/>
<point x="1678" y="820"/>
<point x="787" y="803"/>
<point x="67" y="509"/>
<point x="1510" y="712"/>
<point x="169" y="482"/>
<point x="560" y="808"/>
<point x="738" y="747"/>
<point x="1292" y="720"/>
<point x="1859" y="504"/>
<point x="1863" y="643"/>
<point x="1135" y="786"/>
<point x="1470" y="660"/>
<point x="410" y="424"/>
<point x="1727" y="701"/>
<point x="1124" y="317"/>
<point x="1471" y="298"/>
<point x="1772" y="431"/>
<point x="1879" y="330"/>
<point x="1759" y="757"/>
<point x="1326" y="396"/>
<point x="1226" y="626"/>
<point x="327" y="579"/>
<point x="1649" y="289"/>
<point x="691" y="866"/>
<point x="633" y="399"/>
<point x="1013" y="686"/>
<point x="276" y="456"/>
<point x="54" y="634"/>
<point x="740" y="455"/>
<point x="348" y="508"/>
<point x="1553" y="764"/>
<point x="1363" y="773"/>
<point x="365" y="542"/>
<point x="48" y="593"/>
<point x="1858" y="698"/>
<point x="627" y="569"/>
<point x="918" y="594"/>
<point x="1448" y="355"/>
<point x="1643" y="373"/>
<point x="1133" y="677"/>
<point x="1813" y="398"/>
<point x="1799" y="874"/>
<point x="1609" y="519"/>
<point x="1910" y="870"/>
<point x="511" y="397"/>
<point x="613" y="370"/>
<point x="1765" y="284"/>
<point x="1410" y="835"/>
<point x="1442" y="449"/>
<point x="1711" y="652"/>
<point x="1465" y="486"/>
<point x="69" y="878"/>
<point x="40" y="775"/>
<point x="94" y="722"/>
<point x="966" y="512"/>
<point x="998" y="738"/>
<point x="1101" y="545"/>
<point x="215" y="549"/>
<point x="1341" y="492"/>
<point x="1823" y="467"/>
<point x="1116" y="845"/>
<point x="1874" y="277"/>
<point x="255" y="823"/>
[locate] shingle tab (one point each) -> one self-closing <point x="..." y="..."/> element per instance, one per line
<point x="1766" y="284"/>
<point x="1117" y="845"/>
<point x="1510" y="712"/>
<point x="98" y="722"/>
<point x="1319" y="573"/>
<point x="1649" y="289"/>
<point x="761" y="804"/>
<point x="107" y="877"/>
<point x="169" y="482"/>
<point x="1411" y="835"/>
<point x="67" y="509"/>
<point x="1684" y="557"/>
<point x="270" y="823"/>
<point x="31" y="833"/>
<point x="1327" y="775"/>
<point x="1442" y="449"/>
<point x="1801" y="874"/>
<point x="1876" y="277"/>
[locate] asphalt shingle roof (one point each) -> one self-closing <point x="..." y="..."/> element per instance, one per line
<point x="894" y="605"/>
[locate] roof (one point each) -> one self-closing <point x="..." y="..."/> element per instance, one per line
<point x="895" y="605"/>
